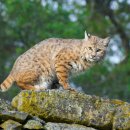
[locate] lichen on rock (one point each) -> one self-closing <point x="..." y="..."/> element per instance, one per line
<point x="5" y="105"/>
<point x="64" y="126"/>
<point x="74" y="107"/>
<point x="65" y="106"/>
<point x="11" y="125"/>
<point x="59" y="109"/>
<point x="33" y="124"/>
<point x="14" y="115"/>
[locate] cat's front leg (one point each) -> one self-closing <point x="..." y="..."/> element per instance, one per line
<point x="63" y="79"/>
<point x="62" y="68"/>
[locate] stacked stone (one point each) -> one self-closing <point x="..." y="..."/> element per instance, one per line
<point x="59" y="110"/>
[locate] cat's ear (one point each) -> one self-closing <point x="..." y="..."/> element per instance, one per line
<point x="87" y="36"/>
<point x="106" y="41"/>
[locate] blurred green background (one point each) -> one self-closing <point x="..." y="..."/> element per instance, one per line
<point x="23" y="23"/>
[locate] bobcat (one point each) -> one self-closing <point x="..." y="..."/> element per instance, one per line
<point x="53" y="60"/>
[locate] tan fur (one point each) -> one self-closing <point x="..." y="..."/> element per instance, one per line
<point x="53" y="61"/>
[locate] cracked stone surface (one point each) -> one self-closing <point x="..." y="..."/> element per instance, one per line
<point x="74" y="107"/>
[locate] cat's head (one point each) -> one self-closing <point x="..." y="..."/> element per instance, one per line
<point x="94" y="48"/>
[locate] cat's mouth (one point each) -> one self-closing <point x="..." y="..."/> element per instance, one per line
<point x="96" y="59"/>
<point x="92" y="60"/>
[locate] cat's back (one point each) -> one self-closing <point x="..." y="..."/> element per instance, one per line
<point x="49" y="48"/>
<point x="50" y="45"/>
<point x="31" y="56"/>
<point x="44" y="50"/>
<point x="54" y="45"/>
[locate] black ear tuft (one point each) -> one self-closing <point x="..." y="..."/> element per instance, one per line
<point x="88" y="35"/>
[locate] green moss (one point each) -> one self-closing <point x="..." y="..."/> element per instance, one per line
<point x="11" y="125"/>
<point x="73" y="107"/>
<point x="33" y="124"/>
<point x="117" y="102"/>
<point x="121" y="122"/>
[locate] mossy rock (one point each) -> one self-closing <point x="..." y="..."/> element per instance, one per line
<point x="121" y="120"/>
<point x="67" y="107"/>
<point x="33" y="124"/>
<point x="5" y="106"/>
<point x="11" y="125"/>
<point x="14" y="115"/>
<point x="64" y="126"/>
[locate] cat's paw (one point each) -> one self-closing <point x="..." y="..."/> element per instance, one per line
<point x="71" y="89"/>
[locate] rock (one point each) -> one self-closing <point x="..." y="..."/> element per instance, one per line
<point x="63" y="126"/>
<point x="38" y="119"/>
<point x="122" y="118"/>
<point x="5" y="106"/>
<point x="68" y="107"/>
<point x="14" y="115"/>
<point x="73" y="107"/>
<point x="11" y="125"/>
<point x="33" y="124"/>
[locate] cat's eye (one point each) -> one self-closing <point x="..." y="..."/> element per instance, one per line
<point x="98" y="50"/>
<point x="90" y="48"/>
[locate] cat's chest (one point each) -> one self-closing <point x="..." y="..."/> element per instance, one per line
<point x="79" y="66"/>
<point x="76" y="67"/>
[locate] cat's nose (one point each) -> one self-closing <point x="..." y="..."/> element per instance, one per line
<point x="93" y="56"/>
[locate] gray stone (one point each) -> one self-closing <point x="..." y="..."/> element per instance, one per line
<point x="33" y="124"/>
<point x="66" y="107"/>
<point x="5" y="105"/>
<point x="75" y="108"/>
<point x="14" y="115"/>
<point x="38" y="119"/>
<point x="11" y="125"/>
<point x="63" y="126"/>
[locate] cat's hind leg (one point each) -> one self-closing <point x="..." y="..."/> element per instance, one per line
<point x="27" y="79"/>
<point x="26" y="86"/>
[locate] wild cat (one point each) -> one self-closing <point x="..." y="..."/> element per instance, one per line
<point x="53" y="60"/>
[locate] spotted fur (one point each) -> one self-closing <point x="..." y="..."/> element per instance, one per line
<point x="52" y="61"/>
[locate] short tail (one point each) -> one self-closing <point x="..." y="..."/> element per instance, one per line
<point x="7" y="83"/>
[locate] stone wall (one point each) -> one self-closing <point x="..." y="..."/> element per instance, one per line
<point x="63" y="110"/>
